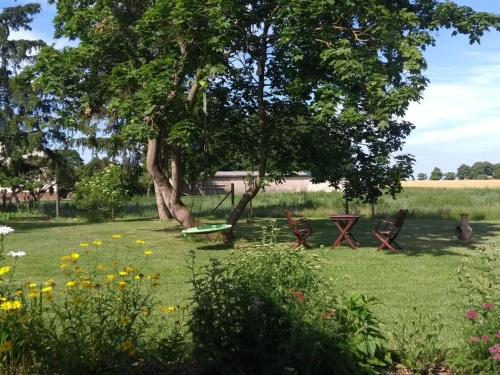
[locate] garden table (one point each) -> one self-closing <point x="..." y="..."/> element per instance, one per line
<point x="345" y="223"/>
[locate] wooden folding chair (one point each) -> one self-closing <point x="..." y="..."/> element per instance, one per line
<point x="300" y="228"/>
<point x="386" y="232"/>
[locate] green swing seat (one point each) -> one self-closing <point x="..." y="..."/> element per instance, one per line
<point x="207" y="229"/>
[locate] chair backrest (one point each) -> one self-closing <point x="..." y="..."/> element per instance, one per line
<point x="289" y="218"/>
<point x="400" y="219"/>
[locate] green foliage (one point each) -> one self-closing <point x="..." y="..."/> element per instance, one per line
<point x="496" y="172"/>
<point x="422" y="176"/>
<point x="266" y="311"/>
<point x="479" y="278"/>
<point x="315" y="85"/>
<point x="419" y="342"/>
<point x="449" y="176"/>
<point x="101" y="196"/>
<point x="436" y="174"/>
<point x="464" y="172"/>
<point x="480" y="170"/>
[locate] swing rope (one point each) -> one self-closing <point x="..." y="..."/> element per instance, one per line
<point x="211" y="228"/>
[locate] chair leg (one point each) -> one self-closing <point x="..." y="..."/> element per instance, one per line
<point x="385" y="243"/>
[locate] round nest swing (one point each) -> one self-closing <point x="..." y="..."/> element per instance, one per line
<point x="207" y="229"/>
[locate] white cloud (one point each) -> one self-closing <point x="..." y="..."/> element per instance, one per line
<point x="458" y="119"/>
<point x="31" y="35"/>
<point x="26" y="34"/>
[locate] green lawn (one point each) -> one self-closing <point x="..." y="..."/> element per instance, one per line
<point x="423" y="275"/>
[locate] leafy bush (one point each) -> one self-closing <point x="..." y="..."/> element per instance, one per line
<point x="265" y="311"/>
<point x="419" y="342"/>
<point x="101" y="196"/>
<point x="479" y="278"/>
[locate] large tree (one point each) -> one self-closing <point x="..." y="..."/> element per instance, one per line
<point x="23" y="164"/>
<point x="310" y="84"/>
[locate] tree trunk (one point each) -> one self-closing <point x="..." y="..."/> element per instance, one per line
<point x="170" y="193"/>
<point x="163" y="212"/>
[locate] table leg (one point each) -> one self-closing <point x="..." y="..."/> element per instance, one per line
<point x="345" y="234"/>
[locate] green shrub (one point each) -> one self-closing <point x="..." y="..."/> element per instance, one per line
<point x="479" y="278"/>
<point x="101" y="196"/>
<point x="265" y="311"/>
<point x="419" y="343"/>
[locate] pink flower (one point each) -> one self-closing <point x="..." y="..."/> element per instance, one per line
<point x="472" y="314"/>
<point x="488" y="306"/>
<point x="495" y="352"/>
<point x="474" y="340"/>
<point x="497" y="335"/>
<point x="486" y="338"/>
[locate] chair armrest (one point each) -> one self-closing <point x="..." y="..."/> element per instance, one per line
<point x="383" y="223"/>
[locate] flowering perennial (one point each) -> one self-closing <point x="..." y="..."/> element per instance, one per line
<point x="4" y="230"/>
<point x="10" y="306"/>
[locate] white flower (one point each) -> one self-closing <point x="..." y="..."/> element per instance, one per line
<point x="16" y="254"/>
<point x="5" y="230"/>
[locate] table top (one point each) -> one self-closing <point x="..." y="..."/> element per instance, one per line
<point x="344" y="217"/>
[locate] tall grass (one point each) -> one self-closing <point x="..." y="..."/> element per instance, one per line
<point x="480" y="204"/>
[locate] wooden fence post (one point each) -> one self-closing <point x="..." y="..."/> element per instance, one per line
<point x="232" y="194"/>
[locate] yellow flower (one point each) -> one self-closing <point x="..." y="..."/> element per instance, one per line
<point x="124" y="320"/>
<point x="33" y="294"/>
<point x="84" y="244"/>
<point x="74" y="257"/>
<point x="154" y="277"/>
<point x="11" y="306"/>
<point x="123" y="273"/>
<point x="87" y="284"/>
<point x="46" y="290"/>
<point x="63" y="266"/>
<point x="19" y="293"/>
<point x="140" y="242"/>
<point x="168" y="309"/>
<point x="110" y="278"/>
<point x="148" y="252"/>
<point x="139" y="276"/>
<point x="128" y="347"/>
<point x="101" y="267"/>
<point x="71" y="284"/>
<point x="116" y="236"/>
<point x="6" y="346"/>
<point x="50" y="282"/>
<point x="32" y="285"/>
<point x="97" y="243"/>
<point x="4" y="270"/>
<point x="122" y="285"/>
<point x="129" y="269"/>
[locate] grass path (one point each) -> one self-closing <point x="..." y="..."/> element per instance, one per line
<point x="423" y="275"/>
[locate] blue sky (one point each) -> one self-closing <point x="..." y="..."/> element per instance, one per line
<point x="458" y="119"/>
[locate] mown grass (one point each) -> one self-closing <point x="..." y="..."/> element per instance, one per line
<point x="423" y="275"/>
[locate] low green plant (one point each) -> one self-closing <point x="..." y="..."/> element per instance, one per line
<point x="101" y="196"/>
<point x="419" y="343"/>
<point x="266" y="311"/>
<point x="479" y="276"/>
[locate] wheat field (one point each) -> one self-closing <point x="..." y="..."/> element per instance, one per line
<point x="453" y="184"/>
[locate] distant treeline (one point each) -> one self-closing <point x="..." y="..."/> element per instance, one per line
<point x="480" y="170"/>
